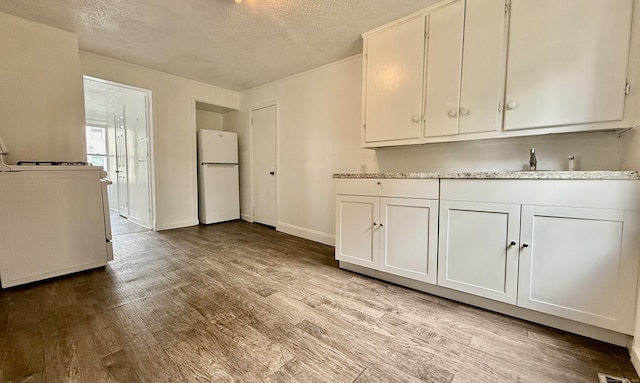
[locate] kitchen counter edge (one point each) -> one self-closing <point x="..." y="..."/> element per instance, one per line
<point x="520" y="175"/>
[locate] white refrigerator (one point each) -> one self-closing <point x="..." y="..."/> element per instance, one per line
<point x="218" y="182"/>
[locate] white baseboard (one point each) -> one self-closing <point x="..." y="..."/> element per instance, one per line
<point x="246" y="217"/>
<point x="175" y="225"/>
<point x="302" y="232"/>
<point x="140" y="223"/>
<point x="635" y="355"/>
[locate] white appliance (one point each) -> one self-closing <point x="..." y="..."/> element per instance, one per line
<point x="54" y="220"/>
<point x="218" y="182"/>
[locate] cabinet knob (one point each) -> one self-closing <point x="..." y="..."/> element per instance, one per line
<point x="375" y="224"/>
<point x="378" y="183"/>
<point x="524" y="244"/>
<point x="464" y="110"/>
<point x="415" y="118"/>
<point x="381" y="224"/>
<point x="452" y="112"/>
<point x="512" y="243"/>
<point x="511" y="105"/>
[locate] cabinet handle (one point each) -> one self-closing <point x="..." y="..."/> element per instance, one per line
<point x="524" y="244"/>
<point x="452" y="112"/>
<point x="381" y="224"/>
<point x="511" y="105"/>
<point x="415" y="118"/>
<point x="513" y="243"/>
<point x="464" y="110"/>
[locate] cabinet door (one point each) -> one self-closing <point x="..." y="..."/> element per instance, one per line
<point x="357" y="239"/>
<point x="580" y="264"/>
<point x="443" y="70"/>
<point x="476" y="255"/>
<point x="408" y="237"/>
<point x="567" y="62"/>
<point x="482" y="86"/>
<point x="394" y="62"/>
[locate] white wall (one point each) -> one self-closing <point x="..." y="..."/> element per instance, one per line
<point x="174" y="131"/>
<point x="41" y="95"/>
<point x="209" y="120"/>
<point x="318" y="135"/>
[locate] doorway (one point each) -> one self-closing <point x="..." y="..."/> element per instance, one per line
<point x="124" y="113"/>
<point x="264" y="164"/>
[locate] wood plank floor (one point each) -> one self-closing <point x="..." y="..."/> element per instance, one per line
<point x="238" y="302"/>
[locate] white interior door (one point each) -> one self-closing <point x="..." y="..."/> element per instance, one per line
<point x="264" y="180"/>
<point x="121" y="163"/>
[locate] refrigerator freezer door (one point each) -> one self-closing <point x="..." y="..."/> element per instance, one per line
<point x="219" y="193"/>
<point x="217" y="147"/>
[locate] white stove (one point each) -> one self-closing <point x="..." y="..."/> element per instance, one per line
<point x="55" y="219"/>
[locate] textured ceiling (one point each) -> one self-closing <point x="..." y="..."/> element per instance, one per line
<point x="235" y="46"/>
<point x="99" y="95"/>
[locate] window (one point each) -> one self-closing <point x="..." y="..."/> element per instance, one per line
<point x="97" y="146"/>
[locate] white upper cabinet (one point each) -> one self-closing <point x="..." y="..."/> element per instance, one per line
<point x="482" y="85"/>
<point x="567" y="62"/>
<point x="443" y="69"/>
<point x="465" y="81"/>
<point x="497" y="68"/>
<point x="393" y="80"/>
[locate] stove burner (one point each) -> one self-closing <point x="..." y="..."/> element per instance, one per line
<point x="54" y="163"/>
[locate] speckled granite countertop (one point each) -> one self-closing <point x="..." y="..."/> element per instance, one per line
<point x="519" y="175"/>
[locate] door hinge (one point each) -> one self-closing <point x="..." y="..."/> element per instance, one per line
<point x="627" y="89"/>
<point x="499" y="106"/>
<point x="506" y="7"/>
<point x="364" y="126"/>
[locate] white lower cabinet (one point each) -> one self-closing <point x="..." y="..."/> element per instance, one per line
<point x="575" y="262"/>
<point x="567" y="248"/>
<point x="386" y="231"/>
<point x="478" y="248"/>
<point x="357" y="220"/>
<point x="580" y="264"/>
<point x="408" y="237"/>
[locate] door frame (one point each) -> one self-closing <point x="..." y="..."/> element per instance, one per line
<point x="152" y="146"/>
<point x="253" y="108"/>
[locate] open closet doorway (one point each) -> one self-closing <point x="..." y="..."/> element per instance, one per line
<point x="119" y="138"/>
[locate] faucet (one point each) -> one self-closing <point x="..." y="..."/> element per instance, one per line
<point x="533" y="162"/>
